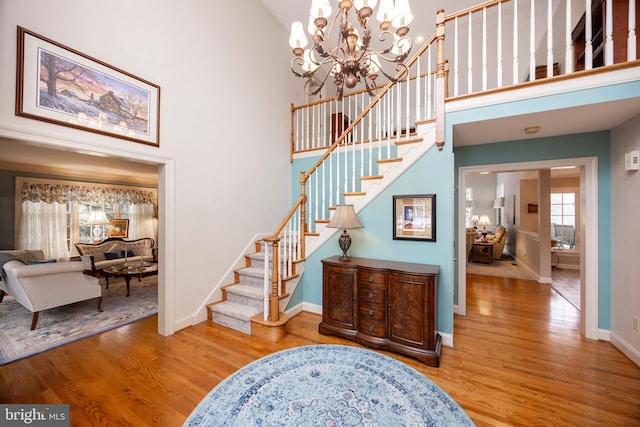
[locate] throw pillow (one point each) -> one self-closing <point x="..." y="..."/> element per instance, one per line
<point x="32" y="262"/>
<point x="129" y="253"/>
<point x="111" y="255"/>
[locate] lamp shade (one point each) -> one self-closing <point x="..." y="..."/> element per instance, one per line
<point x="385" y="11"/>
<point x="484" y="220"/>
<point x="403" y="15"/>
<point x="97" y="218"/>
<point x="297" y="38"/>
<point x="359" y="4"/>
<point x="345" y="217"/>
<point x="475" y="219"/>
<point x="320" y="9"/>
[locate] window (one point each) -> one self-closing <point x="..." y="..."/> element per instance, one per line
<point x="563" y="219"/>
<point x="468" y="213"/>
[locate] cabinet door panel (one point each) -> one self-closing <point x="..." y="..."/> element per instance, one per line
<point x="409" y="318"/>
<point x="339" y="298"/>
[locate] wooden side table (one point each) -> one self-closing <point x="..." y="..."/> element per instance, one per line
<point x="482" y="252"/>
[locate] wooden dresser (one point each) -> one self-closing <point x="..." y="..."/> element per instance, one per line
<point x="385" y="305"/>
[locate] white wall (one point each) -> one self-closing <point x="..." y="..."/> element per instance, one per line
<point x="223" y="68"/>
<point x="625" y="248"/>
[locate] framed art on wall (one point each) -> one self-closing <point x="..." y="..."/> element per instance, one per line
<point x="119" y="228"/>
<point x="60" y="85"/>
<point x="414" y="217"/>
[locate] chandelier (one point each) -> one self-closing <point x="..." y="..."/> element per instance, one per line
<point x="352" y="58"/>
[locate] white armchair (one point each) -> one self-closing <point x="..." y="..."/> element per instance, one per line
<point x="42" y="286"/>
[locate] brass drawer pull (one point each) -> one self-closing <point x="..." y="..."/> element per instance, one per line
<point x="370" y="328"/>
<point x="370" y="295"/>
<point x="370" y="312"/>
<point x="370" y="279"/>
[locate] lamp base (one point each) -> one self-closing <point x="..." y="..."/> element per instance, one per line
<point x="344" y="241"/>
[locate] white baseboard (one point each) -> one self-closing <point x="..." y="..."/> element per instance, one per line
<point x="626" y="348"/>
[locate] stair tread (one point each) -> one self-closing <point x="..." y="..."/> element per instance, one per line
<point x="232" y="309"/>
<point x="246" y="290"/>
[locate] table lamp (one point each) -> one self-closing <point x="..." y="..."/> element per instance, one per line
<point x="474" y="220"/>
<point x="345" y="218"/>
<point x="97" y="219"/>
<point x="484" y="221"/>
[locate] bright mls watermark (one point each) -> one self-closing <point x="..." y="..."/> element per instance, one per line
<point x="34" y="415"/>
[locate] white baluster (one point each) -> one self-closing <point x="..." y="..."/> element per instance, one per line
<point x="389" y="121"/>
<point x="353" y="150"/>
<point x="532" y="42"/>
<point x="484" y="48"/>
<point x="267" y="282"/>
<point x="315" y="179"/>
<point x="631" y="38"/>
<point x="429" y="87"/>
<point x="362" y="126"/>
<point x="568" y="41"/>
<point x="331" y="203"/>
<point x="499" y="47"/>
<point x="588" y="43"/>
<point x="324" y="189"/>
<point x="418" y="79"/>
<point x="549" y="40"/>
<point x="408" y="104"/>
<point x="608" y="44"/>
<point x="398" y="112"/>
<point x="312" y="130"/>
<point x="456" y="61"/>
<point x="470" y="57"/>
<point x="516" y="77"/>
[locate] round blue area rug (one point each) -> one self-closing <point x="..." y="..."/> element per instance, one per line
<point x="327" y="385"/>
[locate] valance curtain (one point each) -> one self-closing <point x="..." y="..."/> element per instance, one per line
<point x="58" y="193"/>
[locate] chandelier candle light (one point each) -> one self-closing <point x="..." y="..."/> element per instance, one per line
<point x="353" y="58"/>
<point x="345" y="218"/>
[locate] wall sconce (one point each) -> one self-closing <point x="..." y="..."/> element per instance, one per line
<point x="345" y="218"/>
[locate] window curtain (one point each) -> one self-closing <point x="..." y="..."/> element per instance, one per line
<point x="142" y="221"/>
<point x="44" y="226"/>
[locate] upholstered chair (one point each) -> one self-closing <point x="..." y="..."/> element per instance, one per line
<point x="499" y="239"/>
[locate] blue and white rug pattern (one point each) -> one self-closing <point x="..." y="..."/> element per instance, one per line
<point x="327" y="385"/>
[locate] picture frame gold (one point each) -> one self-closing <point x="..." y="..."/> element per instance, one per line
<point x="119" y="228"/>
<point x="60" y="85"/>
<point x="414" y="217"/>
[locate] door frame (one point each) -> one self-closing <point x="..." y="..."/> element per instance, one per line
<point x="588" y="230"/>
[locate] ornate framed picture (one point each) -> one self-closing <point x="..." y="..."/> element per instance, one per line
<point x="414" y="217"/>
<point x="119" y="228"/>
<point x="60" y="85"/>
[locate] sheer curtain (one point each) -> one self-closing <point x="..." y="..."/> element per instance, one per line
<point x="141" y="221"/>
<point x="44" y="226"/>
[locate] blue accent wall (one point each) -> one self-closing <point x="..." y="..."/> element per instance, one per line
<point x="432" y="174"/>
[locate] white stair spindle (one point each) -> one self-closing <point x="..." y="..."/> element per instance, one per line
<point x="429" y="87"/>
<point x="532" y="42"/>
<point x="398" y="112"/>
<point x="331" y="200"/>
<point x="549" y="39"/>
<point x="470" y="57"/>
<point x="588" y="43"/>
<point x="516" y="77"/>
<point x="456" y="61"/>
<point x="408" y="104"/>
<point x="324" y="190"/>
<point x="389" y="121"/>
<point x="631" y="38"/>
<point x="317" y="204"/>
<point x="418" y="80"/>
<point x="267" y="282"/>
<point x="568" y="41"/>
<point x="499" y="47"/>
<point x="484" y="48"/>
<point x="608" y="44"/>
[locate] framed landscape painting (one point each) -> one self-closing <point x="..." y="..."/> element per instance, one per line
<point x="60" y="85"/>
<point x="119" y="228"/>
<point x="414" y="217"/>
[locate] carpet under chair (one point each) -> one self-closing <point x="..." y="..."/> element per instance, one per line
<point x="62" y="325"/>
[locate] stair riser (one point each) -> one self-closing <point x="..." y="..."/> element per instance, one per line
<point x="245" y="279"/>
<point x="243" y="326"/>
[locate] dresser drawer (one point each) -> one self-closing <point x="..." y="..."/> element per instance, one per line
<point x="370" y="295"/>
<point x="372" y="328"/>
<point x="372" y="312"/>
<point x="372" y="277"/>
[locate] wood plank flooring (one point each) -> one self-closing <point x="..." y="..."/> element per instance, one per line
<point x="519" y="360"/>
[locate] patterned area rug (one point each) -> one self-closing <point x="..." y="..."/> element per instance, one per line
<point x="68" y="323"/>
<point x="327" y="385"/>
<point x="506" y="267"/>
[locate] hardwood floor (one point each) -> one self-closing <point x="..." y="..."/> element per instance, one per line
<point x="519" y="359"/>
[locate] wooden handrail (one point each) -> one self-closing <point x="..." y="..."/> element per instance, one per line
<point x="473" y="9"/>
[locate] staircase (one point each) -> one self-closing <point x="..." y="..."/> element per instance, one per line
<point x="243" y="301"/>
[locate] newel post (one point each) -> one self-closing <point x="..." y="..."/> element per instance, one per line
<point x="440" y="79"/>
<point x="303" y="214"/>
<point x="274" y="306"/>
